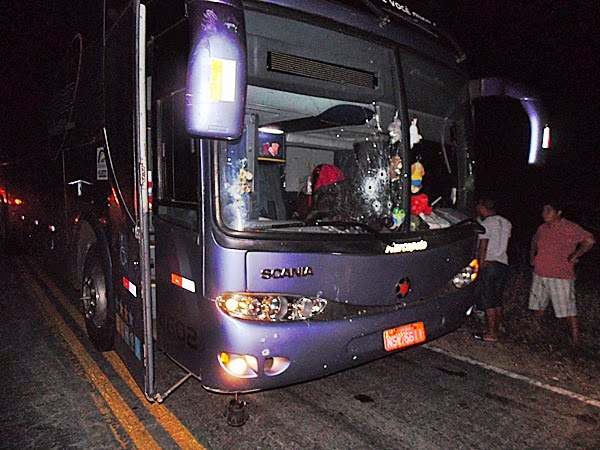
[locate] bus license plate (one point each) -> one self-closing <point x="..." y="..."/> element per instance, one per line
<point x="404" y="336"/>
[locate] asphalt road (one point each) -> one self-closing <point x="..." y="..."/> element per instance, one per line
<point x="60" y="393"/>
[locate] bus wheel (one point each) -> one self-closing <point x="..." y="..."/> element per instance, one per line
<point x="98" y="320"/>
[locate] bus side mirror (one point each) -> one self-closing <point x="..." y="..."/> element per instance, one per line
<point x="216" y="74"/>
<point x="532" y="104"/>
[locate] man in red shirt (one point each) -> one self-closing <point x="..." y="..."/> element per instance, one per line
<point x="555" y="249"/>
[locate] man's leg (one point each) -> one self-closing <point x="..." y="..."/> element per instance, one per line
<point x="493" y="317"/>
<point x="565" y="307"/>
<point x="574" y="325"/>
<point x="538" y="301"/>
<point x="492" y="299"/>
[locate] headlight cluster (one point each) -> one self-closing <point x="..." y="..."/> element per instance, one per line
<point x="270" y="307"/>
<point x="467" y="275"/>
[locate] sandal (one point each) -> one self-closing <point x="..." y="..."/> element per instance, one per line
<point x="483" y="338"/>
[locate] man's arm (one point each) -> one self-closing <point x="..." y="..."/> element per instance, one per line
<point x="533" y="249"/>
<point x="581" y="249"/>
<point x="482" y="251"/>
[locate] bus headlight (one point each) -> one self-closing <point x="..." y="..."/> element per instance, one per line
<point x="467" y="275"/>
<point x="270" y="307"/>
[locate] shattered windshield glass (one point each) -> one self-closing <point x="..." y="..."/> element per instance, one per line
<point x="338" y="164"/>
<point x="331" y="166"/>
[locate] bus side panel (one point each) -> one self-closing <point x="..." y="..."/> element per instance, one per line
<point x="179" y="303"/>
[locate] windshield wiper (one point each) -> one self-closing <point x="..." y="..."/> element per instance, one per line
<point x="346" y="223"/>
<point x="383" y="237"/>
<point x="328" y="223"/>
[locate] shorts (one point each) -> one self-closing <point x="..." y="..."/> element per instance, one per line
<point x="492" y="278"/>
<point x="560" y="291"/>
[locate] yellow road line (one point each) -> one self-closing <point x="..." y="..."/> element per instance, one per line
<point x="98" y="400"/>
<point x="163" y="415"/>
<point x="140" y="437"/>
<point x="109" y="417"/>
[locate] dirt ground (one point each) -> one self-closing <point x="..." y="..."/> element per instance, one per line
<point x="544" y="354"/>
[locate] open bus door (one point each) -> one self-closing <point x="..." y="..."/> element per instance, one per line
<point x="143" y="210"/>
<point x="126" y="104"/>
<point x="201" y="111"/>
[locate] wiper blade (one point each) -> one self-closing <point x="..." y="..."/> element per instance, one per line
<point x="345" y="223"/>
<point x="266" y="225"/>
<point x="328" y="223"/>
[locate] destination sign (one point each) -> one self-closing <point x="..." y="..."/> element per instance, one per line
<point x="418" y="10"/>
<point x="423" y="12"/>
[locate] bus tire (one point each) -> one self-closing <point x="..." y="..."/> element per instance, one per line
<point x="99" y="320"/>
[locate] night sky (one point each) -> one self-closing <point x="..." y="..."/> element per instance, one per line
<point x="551" y="45"/>
<point x="32" y="38"/>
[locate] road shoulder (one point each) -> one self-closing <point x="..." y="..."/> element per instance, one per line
<point x="577" y="372"/>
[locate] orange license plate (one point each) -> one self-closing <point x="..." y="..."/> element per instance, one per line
<point x="404" y="336"/>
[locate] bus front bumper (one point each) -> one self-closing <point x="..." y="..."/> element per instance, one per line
<point x="278" y="354"/>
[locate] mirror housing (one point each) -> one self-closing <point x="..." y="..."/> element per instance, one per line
<point x="531" y="102"/>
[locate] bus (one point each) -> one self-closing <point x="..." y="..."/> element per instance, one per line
<point x="268" y="191"/>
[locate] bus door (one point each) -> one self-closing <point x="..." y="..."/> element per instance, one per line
<point x="177" y="233"/>
<point x="126" y="123"/>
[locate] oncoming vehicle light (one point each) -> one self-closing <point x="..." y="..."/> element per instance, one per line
<point x="270" y="307"/>
<point x="467" y="275"/>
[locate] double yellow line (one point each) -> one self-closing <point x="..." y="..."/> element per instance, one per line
<point x="136" y="430"/>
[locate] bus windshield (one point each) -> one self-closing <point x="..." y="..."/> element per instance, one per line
<point x="318" y="158"/>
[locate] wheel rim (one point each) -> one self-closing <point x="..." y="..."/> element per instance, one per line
<point x="93" y="297"/>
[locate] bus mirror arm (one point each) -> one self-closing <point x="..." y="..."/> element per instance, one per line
<point x="531" y="102"/>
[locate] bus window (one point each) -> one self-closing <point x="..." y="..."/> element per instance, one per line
<point x="438" y="108"/>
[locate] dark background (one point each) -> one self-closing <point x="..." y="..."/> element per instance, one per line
<point x="551" y="45"/>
